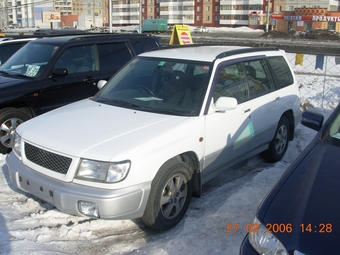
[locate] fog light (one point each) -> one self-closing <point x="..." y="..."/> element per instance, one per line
<point x="88" y="208"/>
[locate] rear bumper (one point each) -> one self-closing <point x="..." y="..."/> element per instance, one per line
<point x="126" y="203"/>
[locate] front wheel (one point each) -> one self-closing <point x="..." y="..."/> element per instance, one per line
<point x="169" y="197"/>
<point x="10" y="119"/>
<point x="278" y="146"/>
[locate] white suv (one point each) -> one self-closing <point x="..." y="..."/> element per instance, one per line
<point x="164" y="125"/>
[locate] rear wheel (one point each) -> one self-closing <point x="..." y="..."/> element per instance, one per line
<point x="169" y="197"/>
<point x="278" y="146"/>
<point x="10" y="119"/>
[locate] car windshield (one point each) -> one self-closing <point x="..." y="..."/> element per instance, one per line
<point x="29" y="61"/>
<point x="175" y="87"/>
<point x="332" y="133"/>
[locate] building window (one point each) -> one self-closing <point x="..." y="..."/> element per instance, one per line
<point x="150" y="1"/>
<point x="207" y="8"/>
<point x="150" y="9"/>
<point x="207" y="18"/>
<point x="198" y="18"/>
<point x="198" y="8"/>
<point x="291" y="8"/>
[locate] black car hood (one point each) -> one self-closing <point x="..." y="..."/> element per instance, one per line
<point x="310" y="195"/>
<point x="6" y="81"/>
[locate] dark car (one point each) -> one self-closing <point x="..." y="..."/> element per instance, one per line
<point x="51" y="72"/>
<point x="300" y="215"/>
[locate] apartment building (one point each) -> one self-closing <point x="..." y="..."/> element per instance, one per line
<point x="95" y="13"/>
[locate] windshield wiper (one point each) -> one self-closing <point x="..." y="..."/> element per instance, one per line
<point x="168" y="111"/>
<point x="123" y="103"/>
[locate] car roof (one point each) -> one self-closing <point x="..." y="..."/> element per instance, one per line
<point x="205" y="53"/>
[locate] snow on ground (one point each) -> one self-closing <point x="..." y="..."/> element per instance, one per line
<point x="30" y="226"/>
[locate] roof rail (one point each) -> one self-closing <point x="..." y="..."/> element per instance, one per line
<point x="245" y="50"/>
<point x="189" y="45"/>
<point x="96" y="35"/>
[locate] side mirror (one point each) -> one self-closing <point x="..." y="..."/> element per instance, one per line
<point x="226" y="103"/>
<point x="312" y="120"/>
<point x="59" y="72"/>
<point x="101" y="84"/>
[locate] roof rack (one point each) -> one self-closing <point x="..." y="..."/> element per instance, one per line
<point x="88" y="36"/>
<point x="245" y="50"/>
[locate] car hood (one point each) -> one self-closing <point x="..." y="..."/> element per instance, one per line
<point x="93" y="130"/>
<point x="310" y="195"/>
<point x="6" y="81"/>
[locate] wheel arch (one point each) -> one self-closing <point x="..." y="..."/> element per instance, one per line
<point x="191" y="159"/>
<point x="21" y="107"/>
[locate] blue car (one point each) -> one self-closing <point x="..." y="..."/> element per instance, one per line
<point x="300" y="215"/>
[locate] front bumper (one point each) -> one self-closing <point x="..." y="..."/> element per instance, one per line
<point x="126" y="203"/>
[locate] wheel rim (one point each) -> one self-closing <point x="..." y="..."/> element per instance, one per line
<point x="281" y="139"/>
<point x="7" y="130"/>
<point x="174" y="195"/>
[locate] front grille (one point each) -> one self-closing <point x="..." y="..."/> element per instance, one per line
<point x="52" y="161"/>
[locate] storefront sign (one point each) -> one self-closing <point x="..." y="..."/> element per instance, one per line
<point x="326" y="18"/>
<point x="292" y="17"/>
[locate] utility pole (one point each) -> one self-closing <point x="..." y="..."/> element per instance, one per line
<point x="140" y="16"/>
<point x="110" y="15"/>
<point x="267" y="18"/>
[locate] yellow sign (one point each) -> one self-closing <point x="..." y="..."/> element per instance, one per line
<point x="2" y="34"/>
<point x="180" y="35"/>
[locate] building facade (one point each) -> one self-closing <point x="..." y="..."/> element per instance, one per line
<point x="209" y="13"/>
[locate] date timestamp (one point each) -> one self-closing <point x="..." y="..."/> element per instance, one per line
<point x="279" y="228"/>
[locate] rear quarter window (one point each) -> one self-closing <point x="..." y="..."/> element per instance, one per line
<point x="282" y="73"/>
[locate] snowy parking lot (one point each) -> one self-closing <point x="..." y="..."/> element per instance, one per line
<point x="30" y="226"/>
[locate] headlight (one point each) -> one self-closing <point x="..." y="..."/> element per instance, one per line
<point x="265" y="243"/>
<point x="17" y="144"/>
<point x="103" y="171"/>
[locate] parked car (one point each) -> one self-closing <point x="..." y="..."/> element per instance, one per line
<point x="51" y="72"/>
<point x="165" y="124"/>
<point x="201" y="29"/>
<point x="8" y="46"/>
<point x="300" y="213"/>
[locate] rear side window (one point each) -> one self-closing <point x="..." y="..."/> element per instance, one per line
<point x="282" y="73"/>
<point x="113" y="56"/>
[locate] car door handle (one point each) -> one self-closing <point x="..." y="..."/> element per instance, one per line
<point x="277" y="98"/>
<point x="90" y="79"/>
<point x="247" y="110"/>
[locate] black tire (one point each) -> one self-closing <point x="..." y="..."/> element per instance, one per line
<point x="278" y="146"/>
<point x="10" y="119"/>
<point x="169" y="197"/>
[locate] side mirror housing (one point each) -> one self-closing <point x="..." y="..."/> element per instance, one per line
<point x="101" y="84"/>
<point x="312" y="120"/>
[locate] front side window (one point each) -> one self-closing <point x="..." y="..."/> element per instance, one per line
<point x="78" y="59"/>
<point x="332" y="133"/>
<point x="231" y="82"/>
<point x="175" y="87"/>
